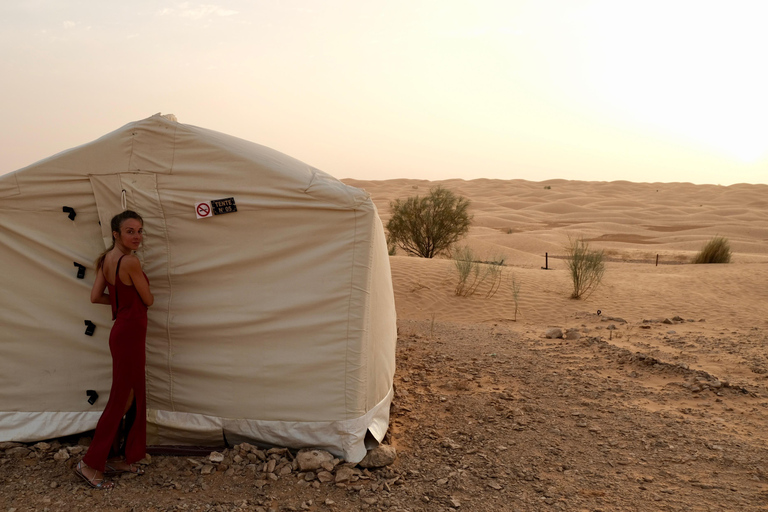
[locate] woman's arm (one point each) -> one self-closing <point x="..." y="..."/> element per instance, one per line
<point x="97" y="292"/>
<point x="132" y="267"/>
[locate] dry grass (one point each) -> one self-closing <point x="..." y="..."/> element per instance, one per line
<point x="717" y="250"/>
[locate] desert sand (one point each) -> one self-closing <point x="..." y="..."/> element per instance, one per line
<point x="659" y="402"/>
<point x="632" y="222"/>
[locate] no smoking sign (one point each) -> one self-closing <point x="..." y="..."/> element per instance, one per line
<point x="203" y="210"/>
<point x="207" y="209"/>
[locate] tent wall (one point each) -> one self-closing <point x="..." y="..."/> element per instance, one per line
<point x="275" y="323"/>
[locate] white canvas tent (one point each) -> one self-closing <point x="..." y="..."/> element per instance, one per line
<point x="274" y="323"/>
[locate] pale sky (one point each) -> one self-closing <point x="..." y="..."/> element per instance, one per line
<point x="586" y="90"/>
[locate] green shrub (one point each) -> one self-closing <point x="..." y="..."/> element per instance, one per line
<point x="586" y="267"/>
<point x="717" y="250"/>
<point x="427" y="226"/>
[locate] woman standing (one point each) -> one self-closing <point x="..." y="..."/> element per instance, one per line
<point x="121" y="433"/>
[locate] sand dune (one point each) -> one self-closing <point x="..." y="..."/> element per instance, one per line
<point x="633" y="222"/>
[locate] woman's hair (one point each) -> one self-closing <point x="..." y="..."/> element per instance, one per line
<point x="116" y="224"/>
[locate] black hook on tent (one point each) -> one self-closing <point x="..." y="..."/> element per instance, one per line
<point x="92" y="396"/>
<point x="90" y="327"/>
<point x="70" y="211"/>
<point x="80" y="270"/>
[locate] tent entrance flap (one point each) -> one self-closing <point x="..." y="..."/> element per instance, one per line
<point x="137" y="191"/>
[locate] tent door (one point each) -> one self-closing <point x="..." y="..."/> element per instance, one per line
<point x="139" y="193"/>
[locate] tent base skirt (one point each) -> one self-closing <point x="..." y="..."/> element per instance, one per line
<point x="344" y="438"/>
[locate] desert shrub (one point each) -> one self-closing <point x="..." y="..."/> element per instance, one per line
<point x="493" y="274"/>
<point x="472" y="273"/>
<point x="717" y="250"/>
<point x="514" y="286"/>
<point x="427" y="226"/>
<point x="391" y="247"/>
<point x="586" y="267"/>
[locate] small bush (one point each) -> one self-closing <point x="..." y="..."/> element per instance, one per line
<point x="473" y="273"/>
<point x="391" y="247"/>
<point x="426" y="226"/>
<point x="515" y="287"/>
<point x="717" y="250"/>
<point x="586" y="267"/>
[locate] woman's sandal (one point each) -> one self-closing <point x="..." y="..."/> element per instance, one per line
<point x="97" y="483"/>
<point x="110" y="469"/>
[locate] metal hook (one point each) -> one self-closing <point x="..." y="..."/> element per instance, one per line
<point x="123" y="202"/>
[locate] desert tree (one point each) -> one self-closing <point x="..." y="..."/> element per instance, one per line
<point x="427" y="226"/>
<point x="585" y="265"/>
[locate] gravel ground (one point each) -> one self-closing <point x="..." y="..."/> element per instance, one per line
<point x="489" y="417"/>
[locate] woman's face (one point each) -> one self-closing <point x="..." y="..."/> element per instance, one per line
<point x="131" y="234"/>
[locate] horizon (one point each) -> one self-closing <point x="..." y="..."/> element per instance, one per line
<point x="587" y="90"/>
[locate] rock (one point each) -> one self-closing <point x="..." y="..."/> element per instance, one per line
<point x="206" y="469"/>
<point x="5" y="445"/>
<point x="311" y="460"/>
<point x="343" y="475"/>
<point x="75" y="450"/>
<point x="667" y="321"/>
<point x="449" y="443"/>
<point x="19" y="451"/>
<point x="42" y="447"/>
<point x="382" y="455"/>
<point x="62" y="454"/>
<point x="216" y="457"/>
<point x="324" y="476"/>
<point x="270" y="466"/>
<point x="245" y="447"/>
<point x="553" y="333"/>
<point x="572" y="334"/>
<point x="455" y="503"/>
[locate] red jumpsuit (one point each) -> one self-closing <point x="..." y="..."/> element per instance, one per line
<point x="127" y="342"/>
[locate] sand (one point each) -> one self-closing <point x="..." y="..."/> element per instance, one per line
<point x="633" y="223"/>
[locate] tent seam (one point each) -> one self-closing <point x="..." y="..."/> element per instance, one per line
<point x="170" y="298"/>
<point x="173" y="153"/>
<point x="349" y="320"/>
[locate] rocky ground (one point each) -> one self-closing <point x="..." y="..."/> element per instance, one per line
<point x="624" y="415"/>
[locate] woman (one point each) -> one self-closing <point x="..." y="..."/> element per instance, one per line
<point x="119" y="271"/>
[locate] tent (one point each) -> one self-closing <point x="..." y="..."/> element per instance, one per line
<point x="274" y="316"/>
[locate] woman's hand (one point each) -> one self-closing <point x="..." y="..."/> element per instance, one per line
<point x="97" y="292"/>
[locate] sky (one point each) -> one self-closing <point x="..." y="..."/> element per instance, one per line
<point x="644" y="91"/>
